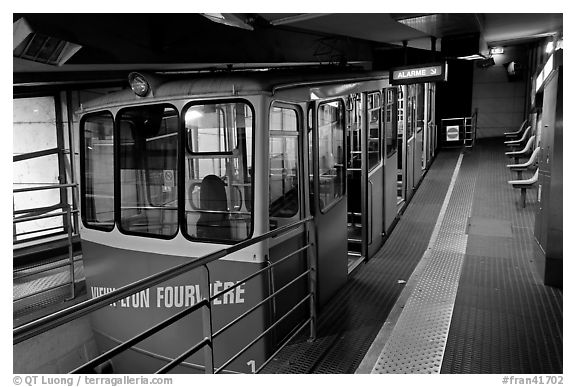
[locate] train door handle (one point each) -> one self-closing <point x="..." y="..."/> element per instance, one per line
<point x="369" y="214"/>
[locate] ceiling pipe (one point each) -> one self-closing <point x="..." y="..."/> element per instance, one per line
<point x="237" y="20"/>
<point x="297" y="18"/>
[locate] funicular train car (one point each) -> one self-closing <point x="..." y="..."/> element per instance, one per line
<point x="180" y="166"/>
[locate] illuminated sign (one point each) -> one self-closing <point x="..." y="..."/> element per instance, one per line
<point x="433" y="72"/>
<point x="452" y="133"/>
<point x="496" y="50"/>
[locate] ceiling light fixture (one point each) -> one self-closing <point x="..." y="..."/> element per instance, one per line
<point x="38" y="47"/>
<point x="230" y="19"/>
<point x="496" y="50"/>
<point x="472" y="57"/>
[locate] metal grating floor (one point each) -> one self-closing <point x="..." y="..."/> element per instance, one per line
<point x="348" y="327"/>
<point x="417" y="341"/>
<point x="504" y="320"/>
<point x="45" y="288"/>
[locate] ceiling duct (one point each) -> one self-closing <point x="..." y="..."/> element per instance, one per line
<point x="230" y="19"/>
<point x="485" y="63"/>
<point x="462" y="34"/>
<point x="38" y="47"/>
<point x="470" y="46"/>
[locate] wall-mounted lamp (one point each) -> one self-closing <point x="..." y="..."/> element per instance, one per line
<point x="472" y="57"/>
<point x="496" y="50"/>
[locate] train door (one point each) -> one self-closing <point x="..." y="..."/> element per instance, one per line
<point x="419" y="154"/>
<point x="355" y="181"/>
<point x="328" y="196"/>
<point x="401" y="158"/>
<point x="426" y="127"/>
<point x="430" y="122"/>
<point x="373" y="168"/>
<point x="286" y="206"/>
<point x="409" y="139"/>
<point x="364" y="175"/>
<point x="390" y="125"/>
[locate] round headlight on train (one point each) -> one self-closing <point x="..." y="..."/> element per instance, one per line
<point x="139" y="84"/>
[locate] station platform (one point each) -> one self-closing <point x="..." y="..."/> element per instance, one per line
<point x="44" y="286"/>
<point x="453" y="290"/>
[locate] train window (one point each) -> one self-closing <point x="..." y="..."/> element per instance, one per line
<point x="148" y="170"/>
<point x="218" y="174"/>
<point x="420" y="120"/>
<point x="374" y="137"/>
<point x="390" y="121"/>
<point x="283" y="173"/>
<point x="401" y="110"/>
<point x="354" y="134"/>
<point x="330" y="152"/>
<point x="410" y="111"/>
<point x="98" y="177"/>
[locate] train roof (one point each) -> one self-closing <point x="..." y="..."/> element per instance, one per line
<point x="236" y="83"/>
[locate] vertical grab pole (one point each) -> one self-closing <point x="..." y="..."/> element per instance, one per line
<point x="207" y="323"/>
<point x="312" y="281"/>
<point x="71" y="251"/>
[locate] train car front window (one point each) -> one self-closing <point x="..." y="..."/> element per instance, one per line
<point x="98" y="166"/>
<point x="283" y="173"/>
<point x="148" y="170"/>
<point x="218" y="171"/>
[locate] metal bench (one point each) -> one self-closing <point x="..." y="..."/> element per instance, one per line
<point x="523" y="185"/>
<point x="518" y="143"/>
<point x="517" y="133"/>
<point x="519" y="168"/>
<point x="523" y="153"/>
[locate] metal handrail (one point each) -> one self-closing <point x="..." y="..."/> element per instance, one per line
<point x="73" y="312"/>
<point x="44" y="187"/>
<point x="19" y="234"/>
<point x="469" y="128"/>
<point x="41" y="268"/>
<point x="59" y="318"/>
<point x="31" y="214"/>
<point x="67" y="211"/>
<point x="138" y="338"/>
<point x="29" y="218"/>
<point x="234" y="357"/>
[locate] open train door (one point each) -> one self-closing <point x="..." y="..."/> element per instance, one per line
<point x="409" y="140"/>
<point x="390" y="188"/>
<point x="327" y="146"/>
<point x="373" y="169"/>
<point x="429" y="126"/>
<point x="416" y="95"/>
<point x="364" y="175"/>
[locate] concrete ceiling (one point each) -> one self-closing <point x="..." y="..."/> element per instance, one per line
<point x="115" y="43"/>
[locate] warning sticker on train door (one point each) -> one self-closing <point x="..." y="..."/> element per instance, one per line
<point x="168" y="178"/>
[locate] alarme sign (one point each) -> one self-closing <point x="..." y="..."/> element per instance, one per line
<point x="434" y="72"/>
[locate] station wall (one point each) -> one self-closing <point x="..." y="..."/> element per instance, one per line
<point x="500" y="98"/>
